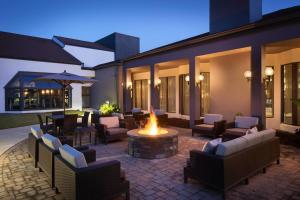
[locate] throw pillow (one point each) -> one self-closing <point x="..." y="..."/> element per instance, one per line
<point x="51" y="141"/>
<point x="252" y="130"/>
<point x="211" y="146"/>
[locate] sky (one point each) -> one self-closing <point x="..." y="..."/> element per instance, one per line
<point x="155" y="22"/>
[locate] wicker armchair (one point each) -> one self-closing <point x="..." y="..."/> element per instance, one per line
<point x="97" y="181"/>
<point x="111" y="129"/>
<point x="212" y="125"/>
<point x="33" y="147"/>
<point x="46" y="159"/>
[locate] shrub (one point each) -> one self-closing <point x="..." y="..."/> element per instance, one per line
<point x="107" y="108"/>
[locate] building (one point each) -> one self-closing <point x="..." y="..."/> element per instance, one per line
<point x="206" y="73"/>
<point x="24" y="58"/>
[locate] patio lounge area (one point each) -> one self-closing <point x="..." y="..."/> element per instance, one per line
<point x="153" y="179"/>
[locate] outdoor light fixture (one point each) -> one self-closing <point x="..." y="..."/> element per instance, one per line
<point x="269" y="71"/>
<point x="158" y="83"/>
<point x="200" y="78"/>
<point x="248" y="75"/>
<point x="149" y="82"/>
<point x="129" y="85"/>
<point x="187" y="79"/>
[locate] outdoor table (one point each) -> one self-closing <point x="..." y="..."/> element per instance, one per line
<point x="57" y="120"/>
<point x="84" y="130"/>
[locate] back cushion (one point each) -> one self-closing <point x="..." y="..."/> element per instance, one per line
<point x="245" y="122"/>
<point x="37" y="132"/>
<point x="268" y="134"/>
<point x="212" y="118"/>
<point x="51" y="141"/>
<point x="110" y="122"/>
<point x="72" y="156"/>
<point x="159" y="112"/>
<point x="254" y="138"/>
<point x="136" y="110"/>
<point x="120" y="115"/>
<point x="232" y="146"/>
<point x="211" y="146"/>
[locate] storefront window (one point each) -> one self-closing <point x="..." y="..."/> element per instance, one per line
<point x="269" y="92"/>
<point x="205" y="93"/>
<point x="140" y="94"/>
<point x="167" y="94"/>
<point x="22" y="93"/>
<point x="184" y="91"/>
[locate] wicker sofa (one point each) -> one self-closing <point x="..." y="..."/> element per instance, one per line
<point x="46" y="158"/>
<point x="234" y="161"/>
<point x="33" y="147"/>
<point x="211" y="125"/>
<point x="96" y="181"/>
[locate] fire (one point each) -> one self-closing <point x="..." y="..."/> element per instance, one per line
<point x="151" y="128"/>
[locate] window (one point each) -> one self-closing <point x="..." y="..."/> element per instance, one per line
<point x="167" y="94"/>
<point x="22" y="93"/>
<point x="140" y="94"/>
<point x="269" y="92"/>
<point x="86" y="97"/>
<point x="184" y="95"/>
<point x="205" y="93"/>
<point x="290" y="84"/>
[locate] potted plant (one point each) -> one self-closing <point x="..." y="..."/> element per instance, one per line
<point x="108" y="108"/>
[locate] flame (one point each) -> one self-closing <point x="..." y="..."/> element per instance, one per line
<point x="151" y="126"/>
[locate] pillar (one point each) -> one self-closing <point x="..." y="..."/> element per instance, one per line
<point x="154" y="90"/>
<point x="127" y="91"/>
<point x="192" y="84"/>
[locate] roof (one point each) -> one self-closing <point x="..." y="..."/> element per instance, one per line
<point x="282" y="15"/>
<point x="24" y="47"/>
<point x="81" y="43"/>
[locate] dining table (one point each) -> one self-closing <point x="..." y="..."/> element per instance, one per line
<point x="57" y="120"/>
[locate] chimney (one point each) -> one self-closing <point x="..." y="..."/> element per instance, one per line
<point x="123" y="45"/>
<point x="230" y="14"/>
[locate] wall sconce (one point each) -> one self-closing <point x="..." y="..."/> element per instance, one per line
<point x="129" y="85"/>
<point x="200" y="78"/>
<point x="248" y="75"/>
<point x="187" y="79"/>
<point x="158" y="83"/>
<point x="149" y="82"/>
<point x="269" y="72"/>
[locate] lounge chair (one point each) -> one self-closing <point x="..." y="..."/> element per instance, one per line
<point x="212" y="125"/>
<point x="162" y="117"/>
<point x="111" y="129"/>
<point x="49" y="148"/>
<point x="77" y="180"/>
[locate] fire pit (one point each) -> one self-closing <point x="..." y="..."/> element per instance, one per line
<point x="152" y="142"/>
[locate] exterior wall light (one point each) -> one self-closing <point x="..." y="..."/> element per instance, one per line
<point x="158" y="83"/>
<point x="149" y="82"/>
<point x="187" y="78"/>
<point x="269" y="71"/>
<point x="248" y="75"/>
<point x="200" y="78"/>
<point x="129" y="85"/>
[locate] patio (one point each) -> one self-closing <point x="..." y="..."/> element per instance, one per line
<point x="153" y="179"/>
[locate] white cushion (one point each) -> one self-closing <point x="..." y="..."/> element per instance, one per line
<point x="136" y="110"/>
<point x="212" y="118"/>
<point x="232" y="146"/>
<point x="245" y="122"/>
<point x="72" y="156"/>
<point x="254" y="138"/>
<point x="268" y="134"/>
<point x="211" y="146"/>
<point x="120" y="115"/>
<point x="110" y="122"/>
<point x="37" y="132"/>
<point x="159" y="112"/>
<point x="51" y="141"/>
<point x="252" y="130"/>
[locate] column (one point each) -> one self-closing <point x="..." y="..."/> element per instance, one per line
<point x="257" y="84"/>
<point x="192" y="84"/>
<point x="127" y="90"/>
<point x="154" y="90"/>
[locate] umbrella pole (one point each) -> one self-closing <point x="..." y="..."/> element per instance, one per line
<point x="64" y="98"/>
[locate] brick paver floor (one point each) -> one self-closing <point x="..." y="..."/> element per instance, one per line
<point x="153" y="179"/>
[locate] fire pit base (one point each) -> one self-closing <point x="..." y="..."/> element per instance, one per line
<point x="152" y="147"/>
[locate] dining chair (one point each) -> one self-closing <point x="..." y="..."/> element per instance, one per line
<point x="69" y="124"/>
<point x="45" y="127"/>
<point x="85" y="120"/>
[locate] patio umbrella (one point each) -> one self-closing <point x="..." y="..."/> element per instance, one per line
<point x="65" y="79"/>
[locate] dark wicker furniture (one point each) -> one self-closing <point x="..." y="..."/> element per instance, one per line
<point x="33" y="147"/>
<point x="223" y="172"/>
<point x="45" y="126"/>
<point x="85" y="120"/>
<point x="214" y="130"/>
<point x="97" y="181"/>
<point x="46" y="159"/>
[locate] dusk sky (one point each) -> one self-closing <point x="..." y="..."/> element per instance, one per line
<point x="156" y="22"/>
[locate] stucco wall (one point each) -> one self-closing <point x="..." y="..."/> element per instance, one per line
<point x="229" y="90"/>
<point x="106" y="88"/>
<point x="9" y="67"/>
<point x="90" y="57"/>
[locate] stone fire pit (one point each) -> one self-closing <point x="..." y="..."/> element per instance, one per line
<point x="152" y="146"/>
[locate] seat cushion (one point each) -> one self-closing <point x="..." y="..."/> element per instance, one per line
<point x="232" y="146"/>
<point x="51" y="141"/>
<point x="110" y="122"/>
<point x="236" y="131"/>
<point x="212" y="118"/>
<point x="37" y="132"/>
<point x="72" y="156"/>
<point x="211" y="146"/>
<point x="114" y="131"/>
<point x="205" y="127"/>
<point x="245" y="122"/>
